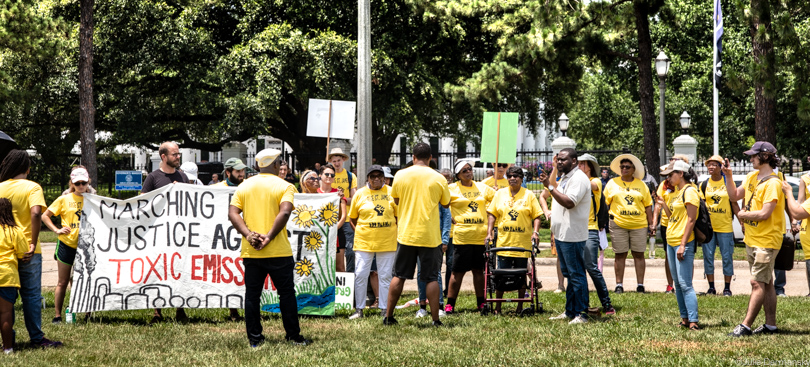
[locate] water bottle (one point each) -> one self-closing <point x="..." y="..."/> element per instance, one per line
<point x="70" y="318"/>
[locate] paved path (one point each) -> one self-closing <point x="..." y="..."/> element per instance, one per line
<point x="655" y="278"/>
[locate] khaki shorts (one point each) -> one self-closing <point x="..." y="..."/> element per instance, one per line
<point x="624" y="240"/>
<point x="761" y="261"/>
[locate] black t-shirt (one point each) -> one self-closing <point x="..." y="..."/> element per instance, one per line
<point x="157" y="179"/>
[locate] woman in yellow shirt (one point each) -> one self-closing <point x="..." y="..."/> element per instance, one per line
<point x="13" y="246"/>
<point x="310" y="182"/>
<point x="516" y="211"/>
<point x="721" y="210"/>
<point x="630" y="204"/>
<point x="804" y="236"/>
<point x="682" y="211"/>
<point x="69" y="210"/>
<point x="664" y="191"/>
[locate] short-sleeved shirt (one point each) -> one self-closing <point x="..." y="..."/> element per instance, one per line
<point x="375" y="212"/>
<point x="571" y="225"/>
<point x="260" y="200"/>
<point x="628" y="202"/>
<point x="767" y="233"/>
<point x="679" y="218"/>
<point x="469" y="210"/>
<point x="514" y="217"/>
<point x="24" y="195"/>
<point x="69" y="209"/>
<point x="13" y="246"/>
<point x="593" y="224"/>
<point x="490" y="181"/>
<point x="420" y="190"/>
<point x="804" y="236"/>
<point x="716" y="197"/>
<point x="157" y="179"/>
<point x="342" y="182"/>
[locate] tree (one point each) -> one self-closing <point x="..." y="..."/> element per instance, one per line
<point x="87" y="110"/>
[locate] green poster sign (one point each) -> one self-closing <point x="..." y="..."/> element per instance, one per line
<point x="506" y="139"/>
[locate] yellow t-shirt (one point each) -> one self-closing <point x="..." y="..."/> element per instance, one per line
<point x="259" y="199"/>
<point x="490" y="181"/>
<point x="23" y="195"/>
<point x="677" y="223"/>
<point x="342" y="182"/>
<point x="222" y="183"/>
<point x="515" y="219"/>
<point x="766" y="233"/>
<point x="420" y="190"/>
<point x="69" y="209"/>
<point x="597" y="196"/>
<point x="628" y="202"/>
<point x="661" y="192"/>
<point x="469" y="210"/>
<point x="13" y="246"/>
<point x="376" y="213"/>
<point x="716" y="198"/>
<point x="804" y="236"/>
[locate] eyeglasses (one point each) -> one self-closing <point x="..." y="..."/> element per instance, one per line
<point x="80" y="183"/>
<point x="376" y="177"/>
<point x="176" y="154"/>
<point x="626" y="167"/>
<point x="329" y="174"/>
<point x="502" y="165"/>
<point x="514" y="176"/>
<point x="465" y="170"/>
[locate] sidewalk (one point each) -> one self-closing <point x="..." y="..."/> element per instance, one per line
<point x="654" y="279"/>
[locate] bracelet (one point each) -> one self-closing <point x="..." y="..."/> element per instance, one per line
<point x="537" y="233"/>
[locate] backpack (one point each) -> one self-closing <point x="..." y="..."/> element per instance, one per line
<point x="602" y="216"/>
<point x="703" y="224"/>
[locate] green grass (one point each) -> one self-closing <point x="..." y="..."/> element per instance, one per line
<point x="644" y="332"/>
<point x="47" y="236"/>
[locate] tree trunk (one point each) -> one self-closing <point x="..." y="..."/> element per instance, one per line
<point x="645" y="84"/>
<point x="87" y="111"/>
<point x="764" y="102"/>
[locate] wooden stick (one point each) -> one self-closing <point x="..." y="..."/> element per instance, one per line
<point x="497" y="148"/>
<point x="328" y="131"/>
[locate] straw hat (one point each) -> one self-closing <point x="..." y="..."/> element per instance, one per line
<point x="714" y="158"/>
<point x="338" y="152"/>
<point x="639" y="173"/>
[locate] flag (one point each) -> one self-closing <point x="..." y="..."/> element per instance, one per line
<point x="718" y="40"/>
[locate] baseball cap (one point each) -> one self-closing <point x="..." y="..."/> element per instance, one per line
<point x="267" y="156"/>
<point x="375" y="168"/>
<point x="759" y="147"/>
<point x="675" y="166"/>
<point x="79" y="175"/>
<point x="190" y="169"/>
<point x="387" y="172"/>
<point x="235" y="163"/>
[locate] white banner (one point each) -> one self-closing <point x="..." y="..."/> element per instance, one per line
<point x="175" y="247"/>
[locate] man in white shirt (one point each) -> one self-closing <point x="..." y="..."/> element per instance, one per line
<point x="569" y="225"/>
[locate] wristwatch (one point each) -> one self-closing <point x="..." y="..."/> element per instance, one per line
<point x="550" y="188"/>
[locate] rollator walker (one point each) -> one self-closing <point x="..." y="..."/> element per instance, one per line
<point x="508" y="280"/>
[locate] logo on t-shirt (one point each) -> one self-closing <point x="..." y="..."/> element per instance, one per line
<point x="513" y="214"/>
<point x="379" y="209"/>
<point x="629" y="199"/>
<point x="473" y="206"/>
<point x="716" y="198"/>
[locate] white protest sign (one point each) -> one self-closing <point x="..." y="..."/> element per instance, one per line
<point x="344" y="291"/>
<point x="343" y="118"/>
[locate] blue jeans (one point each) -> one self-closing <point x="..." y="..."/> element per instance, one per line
<point x="348" y="256"/>
<point x="726" y="243"/>
<point x="448" y="263"/>
<point x="779" y="281"/>
<point x="571" y="256"/>
<point x="31" y="295"/>
<point x="682" y="277"/>
<point x="592" y="267"/>
<point x="422" y="286"/>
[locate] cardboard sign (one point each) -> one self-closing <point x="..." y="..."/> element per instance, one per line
<point x="343" y="118"/>
<point x="503" y="139"/>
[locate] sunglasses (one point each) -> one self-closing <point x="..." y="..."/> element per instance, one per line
<point x="502" y="165"/>
<point x="313" y="179"/>
<point x="514" y="176"/>
<point x="465" y="170"/>
<point x="626" y="167"/>
<point x="80" y="183"/>
<point x="329" y="174"/>
<point x="376" y="177"/>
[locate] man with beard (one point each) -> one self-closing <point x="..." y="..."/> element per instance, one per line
<point x="234" y="173"/>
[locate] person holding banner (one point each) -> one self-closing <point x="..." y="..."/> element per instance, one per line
<point x="234" y="173"/>
<point x="373" y="213"/>
<point x="500" y="173"/>
<point x="259" y="210"/>
<point x="327" y="178"/>
<point x="347" y="183"/>
<point x="310" y="182"/>
<point x="27" y="202"/>
<point x="13" y="248"/>
<point x="69" y="210"/>
<point x="469" y="200"/>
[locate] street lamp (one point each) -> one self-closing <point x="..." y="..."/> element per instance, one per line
<point x="662" y="63"/>
<point x="563" y="123"/>
<point x="686" y="121"/>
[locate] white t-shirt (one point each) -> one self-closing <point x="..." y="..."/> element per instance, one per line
<point x="571" y="225"/>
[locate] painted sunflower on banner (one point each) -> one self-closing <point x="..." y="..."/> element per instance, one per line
<point x="304" y="267"/>
<point x="329" y="214"/>
<point x="303" y="215"/>
<point x="313" y="241"/>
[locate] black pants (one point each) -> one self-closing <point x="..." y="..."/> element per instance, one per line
<point x="280" y="270"/>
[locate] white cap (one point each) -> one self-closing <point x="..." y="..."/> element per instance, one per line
<point x="675" y="166"/>
<point x="190" y="169"/>
<point x="267" y="156"/>
<point x="387" y="172"/>
<point x="79" y="175"/>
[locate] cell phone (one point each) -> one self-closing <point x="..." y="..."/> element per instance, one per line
<point x="540" y="171"/>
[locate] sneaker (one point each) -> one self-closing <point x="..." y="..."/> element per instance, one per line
<point x="481" y="306"/>
<point x="764" y="330"/>
<point x="740" y="330"/>
<point x="578" y="320"/>
<point x="421" y="313"/>
<point x="448" y="309"/>
<point x="782" y="294"/>
<point x="640" y="289"/>
<point x="47" y="343"/>
<point x="356" y="315"/>
<point x="258" y="343"/>
<point x="442" y="313"/>
<point x="669" y="290"/>
<point x="619" y="289"/>
<point x="711" y="291"/>
<point x="57" y="320"/>
<point x="727" y="292"/>
<point x="561" y="316"/>
<point x="610" y="311"/>
<point x="388" y="321"/>
<point x="299" y="340"/>
<point x="8" y="351"/>
<point x="559" y="290"/>
<point x="437" y="323"/>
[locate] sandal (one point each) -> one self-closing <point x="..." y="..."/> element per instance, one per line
<point x="695" y="327"/>
<point x="683" y="324"/>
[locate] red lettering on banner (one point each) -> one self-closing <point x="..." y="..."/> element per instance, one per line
<point x="209" y="263"/>
<point x="165" y="268"/>
<point x="240" y="265"/>
<point x="132" y="271"/>
<point x="269" y="282"/>
<point x="152" y="268"/>
<point x="176" y="277"/>
<point x="230" y="277"/>
<point x="118" y="276"/>
<point x="218" y="270"/>
<point x="195" y="267"/>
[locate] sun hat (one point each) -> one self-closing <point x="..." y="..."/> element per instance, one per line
<point x="336" y="151"/>
<point x="639" y="173"/>
<point x="714" y="158"/>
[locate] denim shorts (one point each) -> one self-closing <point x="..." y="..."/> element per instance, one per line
<point x="9" y="294"/>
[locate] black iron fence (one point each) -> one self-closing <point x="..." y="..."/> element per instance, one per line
<point x="54" y="177"/>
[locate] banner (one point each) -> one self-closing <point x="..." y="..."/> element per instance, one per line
<point x="175" y="247"/>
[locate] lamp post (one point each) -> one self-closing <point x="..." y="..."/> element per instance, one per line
<point x="662" y="63"/>
<point x="563" y="141"/>
<point x="563" y="123"/>
<point x="686" y="121"/>
<point x="685" y="144"/>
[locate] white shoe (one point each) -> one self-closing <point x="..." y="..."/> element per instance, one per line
<point x="559" y="290"/>
<point x="421" y="313"/>
<point x="442" y="313"/>
<point x="356" y="315"/>
<point x="561" y="316"/>
<point x="578" y="320"/>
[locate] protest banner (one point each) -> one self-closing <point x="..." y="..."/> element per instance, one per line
<point x="175" y="247"/>
<point x="499" y="137"/>
<point x="331" y="119"/>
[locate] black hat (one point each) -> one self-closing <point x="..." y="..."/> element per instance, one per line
<point x="375" y="167"/>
